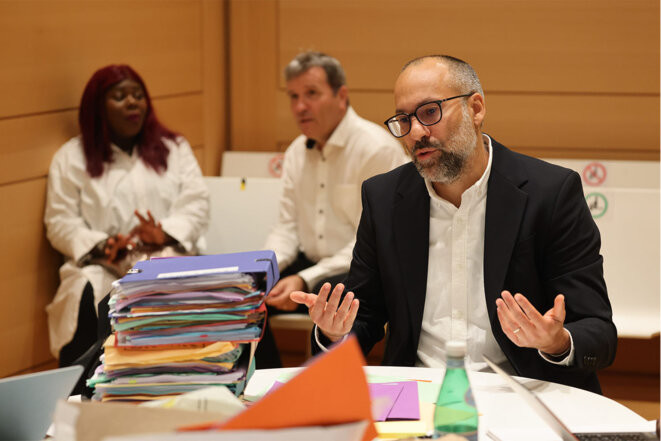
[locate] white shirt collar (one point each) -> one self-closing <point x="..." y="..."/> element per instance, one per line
<point x="116" y="150"/>
<point x="343" y="131"/>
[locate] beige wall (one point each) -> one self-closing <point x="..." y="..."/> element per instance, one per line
<point x="563" y="78"/>
<point x="49" y="49"/>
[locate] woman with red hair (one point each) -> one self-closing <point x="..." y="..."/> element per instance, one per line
<point x="127" y="181"/>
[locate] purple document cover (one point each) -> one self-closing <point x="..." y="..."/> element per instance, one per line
<point x="404" y="399"/>
<point x="383" y="396"/>
<point x="407" y="406"/>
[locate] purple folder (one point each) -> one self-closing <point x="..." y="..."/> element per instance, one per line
<point x="404" y="398"/>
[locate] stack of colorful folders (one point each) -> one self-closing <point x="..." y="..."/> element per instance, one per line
<point x="184" y="323"/>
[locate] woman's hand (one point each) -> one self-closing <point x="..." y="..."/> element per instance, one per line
<point x="149" y="231"/>
<point x="116" y="247"/>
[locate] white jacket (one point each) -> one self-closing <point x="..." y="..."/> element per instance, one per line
<point x="82" y="211"/>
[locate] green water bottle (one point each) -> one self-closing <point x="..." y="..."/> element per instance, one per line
<point x="455" y="406"/>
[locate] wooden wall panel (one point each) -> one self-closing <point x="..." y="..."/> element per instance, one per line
<point x="199" y="153"/>
<point x="577" y="79"/>
<point x="50" y="48"/>
<point x="184" y="114"/>
<point x="214" y="82"/>
<point x="28" y="143"/>
<point x="515" y="45"/>
<point x="28" y="276"/>
<point x="576" y="126"/>
<point x="253" y="74"/>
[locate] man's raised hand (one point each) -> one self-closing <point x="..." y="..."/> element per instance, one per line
<point x="331" y="317"/>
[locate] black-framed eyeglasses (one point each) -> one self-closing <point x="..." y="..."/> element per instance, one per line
<point x="427" y="114"/>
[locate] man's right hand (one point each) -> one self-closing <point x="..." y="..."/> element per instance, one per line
<point x="335" y="322"/>
<point x="279" y="295"/>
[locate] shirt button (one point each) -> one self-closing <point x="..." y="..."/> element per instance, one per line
<point x="321" y="211"/>
<point x="321" y="236"/>
<point x="321" y="185"/>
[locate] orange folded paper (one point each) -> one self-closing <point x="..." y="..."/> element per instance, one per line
<point x="331" y="390"/>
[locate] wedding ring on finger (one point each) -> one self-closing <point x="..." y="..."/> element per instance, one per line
<point x="516" y="330"/>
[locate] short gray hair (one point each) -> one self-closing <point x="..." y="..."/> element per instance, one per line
<point x="306" y="60"/>
<point x="463" y="77"/>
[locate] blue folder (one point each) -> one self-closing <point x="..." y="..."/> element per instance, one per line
<point x="257" y="263"/>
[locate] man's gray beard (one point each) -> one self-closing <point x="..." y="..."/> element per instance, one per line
<point x="448" y="166"/>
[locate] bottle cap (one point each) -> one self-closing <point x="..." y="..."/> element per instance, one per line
<point x="455" y="348"/>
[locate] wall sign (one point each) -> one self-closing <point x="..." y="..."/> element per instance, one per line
<point x="275" y="165"/>
<point x="597" y="203"/>
<point x="594" y="174"/>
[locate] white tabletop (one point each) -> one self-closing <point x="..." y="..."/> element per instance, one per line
<point x="498" y="405"/>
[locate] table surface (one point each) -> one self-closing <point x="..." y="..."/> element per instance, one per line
<point x="498" y="405"/>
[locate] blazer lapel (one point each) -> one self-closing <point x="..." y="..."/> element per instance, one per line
<point x="411" y="232"/>
<point x="506" y="203"/>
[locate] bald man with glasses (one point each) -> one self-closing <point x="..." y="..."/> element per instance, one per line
<point x="471" y="241"/>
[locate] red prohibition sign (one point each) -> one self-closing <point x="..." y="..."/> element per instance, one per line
<point x="275" y="165"/>
<point x="594" y="173"/>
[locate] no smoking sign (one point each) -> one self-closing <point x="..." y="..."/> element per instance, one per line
<point x="594" y="174"/>
<point x="275" y="165"/>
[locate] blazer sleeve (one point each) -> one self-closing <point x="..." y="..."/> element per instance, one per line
<point x="573" y="267"/>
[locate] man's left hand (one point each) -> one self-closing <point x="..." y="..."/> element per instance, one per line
<point x="527" y="328"/>
<point x="279" y="295"/>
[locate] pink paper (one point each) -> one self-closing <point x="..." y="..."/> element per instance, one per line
<point x="383" y="396"/>
<point x="404" y="398"/>
<point x="407" y="406"/>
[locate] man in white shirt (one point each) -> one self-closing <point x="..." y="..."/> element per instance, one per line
<point x="322" y="173"/>
<point x="472" y="241"/>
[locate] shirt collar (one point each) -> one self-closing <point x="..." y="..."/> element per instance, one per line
<point x="479" y="188"/>
<point x="342" y="132"/>
<point x="117" y="151"/>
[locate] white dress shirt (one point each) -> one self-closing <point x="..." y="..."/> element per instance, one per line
<point x="82" y="211"/>
<point x="455" y="305"/>
<point x="320" y="204"/>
